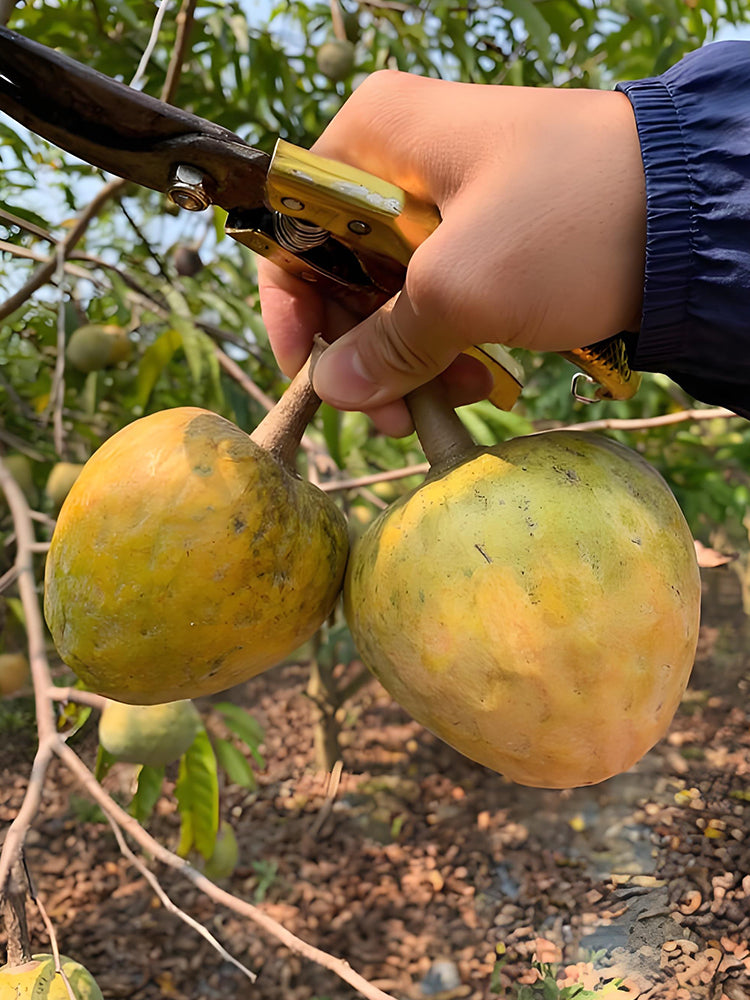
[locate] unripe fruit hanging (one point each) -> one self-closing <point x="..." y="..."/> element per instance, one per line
<point x="156" y="735"/>
<point x="14" y="673"/>
<point x="335" y="59"/>
<point x="59" y="482"/>
<point x="96" y="346"/>
<point x="535" y="604"/>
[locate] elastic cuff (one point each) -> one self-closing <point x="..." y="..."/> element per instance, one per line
<point x="668" y="223"/>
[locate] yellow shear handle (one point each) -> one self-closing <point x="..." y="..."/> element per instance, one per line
<point x="376" y="218"/>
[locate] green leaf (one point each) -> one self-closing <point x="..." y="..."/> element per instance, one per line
<point x="197" y="793"/>
<point x="331" y="419"/>
<point x="234" y="763"/>
<point x="155" y="359"/>
<point x="245" y="726"/>
<point x="104" y="761"/>
<point x="535" y="23"/>
<point x="150" y="781"/>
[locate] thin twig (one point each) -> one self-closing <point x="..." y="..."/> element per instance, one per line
<point x="67" y="694"/>
<point x="334" y="779"/>
<point x="131" y="826"/>
<point x="151" y="44"/>
<point x="647" y="423"/>
<point x="30" y="227"/>
<point x="7" y="578"/>
<point x="181" y="42"/>
<point x="337" y="20"/>
<point x="43" y="274"/>
<point x="172" y="907"/>
<point x="338" y="485"/>
<point x="53" y="943"/>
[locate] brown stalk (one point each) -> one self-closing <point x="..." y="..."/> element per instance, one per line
<point x="444" y="439"/>
<point x="280" y="431"/>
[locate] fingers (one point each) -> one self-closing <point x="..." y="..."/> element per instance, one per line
<point x="466" y="380"/>
<point x="293" y="312"/>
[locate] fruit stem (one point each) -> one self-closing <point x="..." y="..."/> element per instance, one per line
<point x="281" y="430"/>
<point x="444" y="439"/>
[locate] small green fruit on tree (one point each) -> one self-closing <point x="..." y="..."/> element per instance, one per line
<point x="94" y="346"/>
<point x="224" y="859"/>
<point x="155" y="735"/>
<point x="38" y="978"/>
<point x="19" y="466"/>
<point x="60" y="481"/>
<point x="335" y="59"/>
<point x="14" y="673"/>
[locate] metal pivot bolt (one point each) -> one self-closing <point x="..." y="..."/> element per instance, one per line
<point x="189" y="188"/>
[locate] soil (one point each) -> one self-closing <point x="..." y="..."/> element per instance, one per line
<point x="430" y="875"/>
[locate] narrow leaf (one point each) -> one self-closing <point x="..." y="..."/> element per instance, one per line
<point x="197" y="793"/>
<point x="234" y="763"/>
<point x="147" y="793"/>
<point x="242" y="724"/>
<point x="535" y="23"/>
<point x="155" y="359"/>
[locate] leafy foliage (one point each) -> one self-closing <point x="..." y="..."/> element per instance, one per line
<point x="262" y="81"/>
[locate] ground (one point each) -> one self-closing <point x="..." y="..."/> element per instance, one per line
<point x="429" y="872"/>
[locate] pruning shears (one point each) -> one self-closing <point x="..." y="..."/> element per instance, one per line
<point x="349" y="233"/>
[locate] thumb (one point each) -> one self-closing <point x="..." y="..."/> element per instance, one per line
<point x="382" y="358"/>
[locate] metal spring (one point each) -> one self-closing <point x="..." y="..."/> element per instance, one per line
<point x="296" y="235"/>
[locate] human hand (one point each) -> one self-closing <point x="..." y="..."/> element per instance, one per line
<point x="542" y="243"/>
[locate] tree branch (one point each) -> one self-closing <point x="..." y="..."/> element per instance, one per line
<point x="647" y="423"/>
<point x="182" y="40"/>
<point x="172" y="907"/>
<point x="44" y="273"/>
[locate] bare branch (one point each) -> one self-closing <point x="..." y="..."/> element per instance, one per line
<point x="6" y="9"/>
<point x="151" y="44"/>
<point x="30" y="227"/>
<point x="14" y="915"/>
<point x="338" y="485"/>
<point x="57" y="390"/>
<point x="337" y="20"/>
<point x="128" y="823"/>
<point x="174" y="70"/>
<point x="44" y="273"/>
<point x="647" y="423"/>
<point x="53" y="943"/>
<point x="172" y="907"/>
<point x="66" y="694"/>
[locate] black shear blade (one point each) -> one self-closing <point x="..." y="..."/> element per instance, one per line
<point x="122" y="130"/>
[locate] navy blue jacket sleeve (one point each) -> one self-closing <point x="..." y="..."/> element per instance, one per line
<point x="694" y="129"/>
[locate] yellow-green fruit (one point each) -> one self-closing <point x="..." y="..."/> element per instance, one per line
<point x="20" y="468"/>
<point x="335" y="59"/>
<point x="224" y="859"/>
<point x="60" y="480"/>
<point x="536" y="607"/>
<point x="37" y="980"/>
<point x="14" y="673"/>
<point x="148" y="734"/>
<point x="94" y="346"/>
<point x="187" y="559"/>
